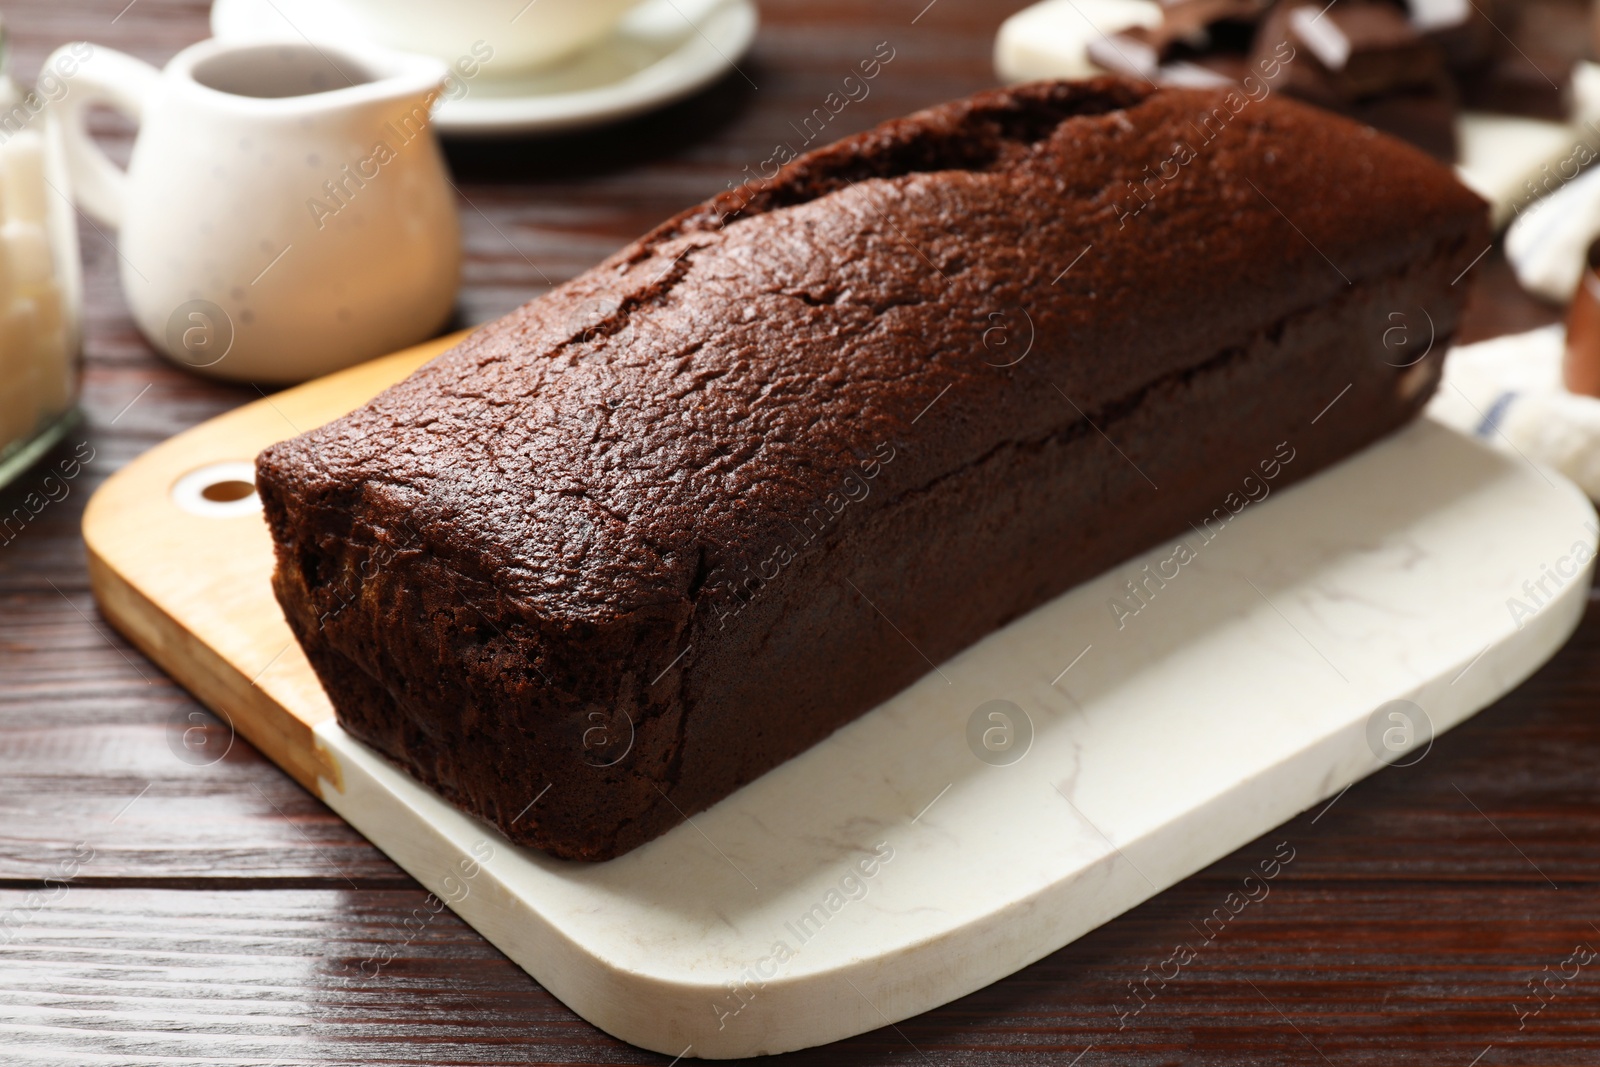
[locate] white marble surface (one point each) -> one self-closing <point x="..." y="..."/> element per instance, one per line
<point x="1240" y="695"/>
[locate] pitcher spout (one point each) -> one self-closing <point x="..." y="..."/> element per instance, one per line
<point x="401" y="75"/>
<point x="294" y="76"/>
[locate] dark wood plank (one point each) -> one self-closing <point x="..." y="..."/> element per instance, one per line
<point x="225" y="914"/>
<point x="1382" y="971"/>
<point x="1408" y="923"/>
<point x="87" y="724"/>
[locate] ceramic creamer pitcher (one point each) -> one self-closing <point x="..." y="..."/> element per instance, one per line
<point x="286" y="210"/>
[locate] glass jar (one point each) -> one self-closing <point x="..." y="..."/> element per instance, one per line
<point x="41" y="283"/>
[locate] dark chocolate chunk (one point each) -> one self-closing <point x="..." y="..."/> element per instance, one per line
<point x="1208" y="25"/>
<point x="1531" y="83"/>
<point x="1409" y="107"/>
<point x="1425" y="117"/>
<point x="1366" y="46"/>
<point x="1460" y="28"/>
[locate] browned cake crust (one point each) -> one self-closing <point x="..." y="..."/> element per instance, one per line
<point x="652" y="534"/>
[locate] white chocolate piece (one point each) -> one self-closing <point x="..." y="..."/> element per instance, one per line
<point x="1507" y="392"/>
<point x="1427" y="15"/>
<point x="1324" y="38"/>
<point x="1051" y="39"/>
<point x="1586" y="93"/>
<point x="1185" y="75"/>
<point x="1547" y="243"/>
<point x="1502" y="157"/>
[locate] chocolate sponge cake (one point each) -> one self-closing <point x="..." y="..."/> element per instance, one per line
<point x="663" y="528"/>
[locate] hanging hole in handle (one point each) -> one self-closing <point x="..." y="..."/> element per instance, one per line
<point x="228" y="491"/>
<point x="112" y="131"/>
<point x="218" y="491"/>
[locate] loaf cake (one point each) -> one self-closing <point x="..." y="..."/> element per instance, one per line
<point x="663" y="528"/>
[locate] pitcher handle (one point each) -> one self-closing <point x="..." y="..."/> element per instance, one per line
<point x="118" y="81"/>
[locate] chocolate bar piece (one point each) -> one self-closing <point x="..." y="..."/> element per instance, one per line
<point x="1190" y="29"/>
<point x="1211" y="72"/>
<point x="1209" y="25"/>
<point x="1366" y="46"/>
<point x="1415" y="104"/>
<point x="1461" y="29"/>
<point x="1133" y="52"/>
<point x="1424" y="117"/>
<point x="1532" y="83"/>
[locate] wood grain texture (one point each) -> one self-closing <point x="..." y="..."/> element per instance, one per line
<point x="225" y="640"/>
<point x="224" y="914"/>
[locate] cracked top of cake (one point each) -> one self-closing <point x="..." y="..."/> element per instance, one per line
<point x="623" y="442"/>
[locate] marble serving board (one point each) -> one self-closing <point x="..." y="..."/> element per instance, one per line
<point x="1032" y="788"/>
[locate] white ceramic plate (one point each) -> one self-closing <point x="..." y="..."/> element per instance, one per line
<point x="662" y="52"/>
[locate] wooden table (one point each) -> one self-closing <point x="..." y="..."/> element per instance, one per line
<point x="218" y="914"/>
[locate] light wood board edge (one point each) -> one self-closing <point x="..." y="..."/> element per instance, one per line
<point x="191" y="592"/>
<point x="281" y="735"/>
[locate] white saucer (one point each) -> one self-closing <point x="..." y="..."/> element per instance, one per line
<point x="663" y="51"/>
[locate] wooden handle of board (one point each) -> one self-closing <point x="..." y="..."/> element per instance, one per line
<point x="146" y="554"/>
